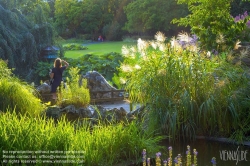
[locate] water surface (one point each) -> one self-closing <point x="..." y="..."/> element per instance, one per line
<point x="208" y="149"/>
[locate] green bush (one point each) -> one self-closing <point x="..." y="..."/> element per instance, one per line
<point x="104" y="145"/>
<point x="42" y="70"/>
<point x="188" y="92"/>
<point x="74" y="46"/>
<point x="216" y="30"/>
<point x="73" y="93"/>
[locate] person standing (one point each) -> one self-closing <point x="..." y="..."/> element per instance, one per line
<point x="56" y="74"/>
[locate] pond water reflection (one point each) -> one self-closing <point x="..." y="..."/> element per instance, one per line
<point x="226" y="154"/>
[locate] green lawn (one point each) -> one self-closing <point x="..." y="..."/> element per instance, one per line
<point x="98" y="48"/>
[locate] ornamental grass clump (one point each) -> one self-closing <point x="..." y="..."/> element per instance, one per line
<point x="188" y="91"/>
<point x="17" y="95"/>
<point x="72" y="93"/>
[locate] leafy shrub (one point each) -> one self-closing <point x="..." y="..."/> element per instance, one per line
<point x="218" y="23"/>
<point x="73" y="93"/>
<point x="243" y="24"/>
<point x="42" y="70"/>
<point x="74" y="46"/>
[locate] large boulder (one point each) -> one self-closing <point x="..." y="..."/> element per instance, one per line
<point x="97" y="83"/>
<point x="95" y="113"/>
<point x="44" y="88"/>
<point x="99" y="112"/>
<point x="116" y="115"/>
<point x="85" y="112"/>
<point x="53" y="112"/>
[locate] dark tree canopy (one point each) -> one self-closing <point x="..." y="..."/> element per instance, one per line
<point x="239" y="7"/>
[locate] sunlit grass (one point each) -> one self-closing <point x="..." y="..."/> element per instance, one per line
<point x="102" y="144"/>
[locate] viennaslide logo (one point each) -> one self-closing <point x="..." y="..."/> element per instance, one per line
<point x="234" y="155"/>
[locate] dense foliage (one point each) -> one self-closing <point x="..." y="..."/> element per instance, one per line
<point x="42" y="70"/>
<point x="113" y="19"/>
<point x="105" y="64"/>
<point x="21" y="41"/>
<point x="153" y="15"/>
<point x="93" y="17"/>
<point x="27" y="25"/>
<point x="239" y="6"/>
<point x="214" y="26"/>
<point x="189" y="92"/>
<point x="37" y="11"/>
<point x="74" y="46"/>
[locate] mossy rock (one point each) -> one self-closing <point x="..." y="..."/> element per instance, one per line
<point x="53" y="112"/>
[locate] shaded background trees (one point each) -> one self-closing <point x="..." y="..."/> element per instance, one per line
<point x="151" y="16"/>
<point x="115" y="18"/>
<point x="239" y="7"/>
<point x="27" y="26"/>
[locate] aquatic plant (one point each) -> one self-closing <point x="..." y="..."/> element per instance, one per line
<point x="144" y="156"/>
<point x="188" y="153"/>
<point x="195" y="157"/>
<point x="213" y="161"/>
<point x="158" y="159"/>
<point x="177" y="160"/>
